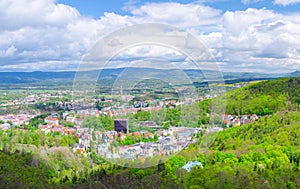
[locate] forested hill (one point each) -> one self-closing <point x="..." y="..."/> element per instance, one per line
<point x="264" y="98"/>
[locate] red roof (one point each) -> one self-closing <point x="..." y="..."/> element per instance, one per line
<point x="51" y="118"/>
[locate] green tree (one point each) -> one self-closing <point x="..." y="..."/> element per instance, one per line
<point x="69" y="124"/>
<point x="143" y="116"/>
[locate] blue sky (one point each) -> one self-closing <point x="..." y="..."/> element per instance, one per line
<point x="242" y="35"/>
<point x="96" y="8"/>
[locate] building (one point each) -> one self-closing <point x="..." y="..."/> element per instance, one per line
<point x="121" y="125"/>
<point x="51" y="120"/>
<point x="151" y="125"/>
<point x="70" y="119"/>
<point x="78" y="121"/>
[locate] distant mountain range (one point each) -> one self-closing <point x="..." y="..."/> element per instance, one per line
<point x="295" y="74"/>
<point x="67" y="77"/>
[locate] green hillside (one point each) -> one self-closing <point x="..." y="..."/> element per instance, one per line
<point x="263" y="154"/>
<point x="265" y="97"/>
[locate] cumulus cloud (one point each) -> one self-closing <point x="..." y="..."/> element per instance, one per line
<point x="261" y="38"/>
<point x="48" y="32"/>
<point x="286" y="2"/>
<point x="38" y="32"/>
<point x="34" y="33"/>
<point x="183" y="15"/>
<point x="34" y="13"/>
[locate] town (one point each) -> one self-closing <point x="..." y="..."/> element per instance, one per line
<point x="119" y="141"/>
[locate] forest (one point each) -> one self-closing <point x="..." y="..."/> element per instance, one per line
<point x="263" y="98"/>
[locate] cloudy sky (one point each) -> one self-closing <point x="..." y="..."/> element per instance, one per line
<point x="242" y="35"/>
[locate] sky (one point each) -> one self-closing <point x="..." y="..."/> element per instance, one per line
<point x="242" y="35"/>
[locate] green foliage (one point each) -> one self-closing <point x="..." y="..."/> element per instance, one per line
<point x="69" y="124"/>
<point x="174" y="163"/>
<point x="128" y="140"/>
<point x="16" y="172"/>
<point x="102" y="104"/>
<point x="173" y="115"/>
<point x="143" y="116"/>
<point x="100" y="122"/>
<point x="263" y="98"/>
<point x="36" y="121"/>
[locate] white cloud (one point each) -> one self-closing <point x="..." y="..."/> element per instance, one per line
<point x="250" y="1"/>
<point x="286" y="2"/>
<point x="260" y="39"/>
<point x="35" y="13"/>
<point x="44" y="35"/>
<point x="182" y="15"/>
<point x="10" y="51"/>
<point x="36" y="31"/>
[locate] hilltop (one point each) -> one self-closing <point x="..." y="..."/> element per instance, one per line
<point x="262" y="154"/>
<point x="67" y="77"/>
<point x="295" y="73"/>
<point x="264" y="97"/>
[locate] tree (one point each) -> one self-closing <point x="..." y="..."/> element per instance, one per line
<point x="36" y="139"/>
<point x="69" y="124"/>
<point x="143" y="116"/>
<point x="173" y="163"/>
<point x="155" y="138"/>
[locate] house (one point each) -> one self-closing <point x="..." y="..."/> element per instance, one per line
<point x="105" y="139"/>
<point x="79" y="148"/>
<point x="254" y="117"/>
<point x="137" y="134"/>
<point x="148" y="135"/>
<point x="5" y="126"/>
<point x="115" y="135"/>
<point x="51" y="120"/>
<point x="150" y="124"/>
<point x="159" y="132"/>
<point x="78" y="121"/>
<point x="110" y="136"/>
<point x="122" y="136"/>
<point x="236" y="122"/>
<point x="245" y="120"/>
<point x="70" y="119"/>
<point x="45" y="128"/>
